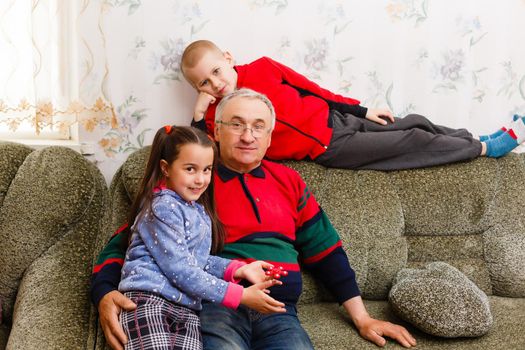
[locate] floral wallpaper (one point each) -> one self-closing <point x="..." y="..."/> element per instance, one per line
<point x="460" y="63"/>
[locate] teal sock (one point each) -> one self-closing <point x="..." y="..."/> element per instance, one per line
<point x="484" y="138"/>
<point x="501" y="145"/>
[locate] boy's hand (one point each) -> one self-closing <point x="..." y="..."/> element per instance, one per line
<point x="379" y="115"/>
<point x="201" y="106"/>
<point x="254" y="272"/>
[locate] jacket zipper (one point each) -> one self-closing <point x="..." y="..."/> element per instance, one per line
<point x="302" y="133"/>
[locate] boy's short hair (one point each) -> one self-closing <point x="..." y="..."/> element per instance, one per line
<point x="194" y="52"/>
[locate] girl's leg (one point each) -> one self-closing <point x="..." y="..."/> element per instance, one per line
<point x="159" y="324"/>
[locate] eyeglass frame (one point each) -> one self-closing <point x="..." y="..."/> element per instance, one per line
<point x="245" y="127"/>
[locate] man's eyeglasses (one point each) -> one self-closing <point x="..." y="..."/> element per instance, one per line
<point x="257" y="130"/>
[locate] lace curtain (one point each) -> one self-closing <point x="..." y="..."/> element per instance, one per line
<point x="52" y="68"/>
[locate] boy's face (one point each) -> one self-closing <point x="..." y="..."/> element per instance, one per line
<point x="213" y="74"/>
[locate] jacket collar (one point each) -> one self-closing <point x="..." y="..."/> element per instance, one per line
<point x="227" y="174"/>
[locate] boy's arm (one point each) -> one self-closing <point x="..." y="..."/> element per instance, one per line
<point x="308" y="87"/>
<point x="204" y="100"/>
<point x="201" y="124"/>
<point x="335" y="102"/>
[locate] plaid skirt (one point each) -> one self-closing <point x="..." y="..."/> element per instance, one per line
<point x="159" y="324"/>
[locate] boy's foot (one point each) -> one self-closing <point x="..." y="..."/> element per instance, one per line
<point x="502" y="144"/>
<point x="484" y="138"/>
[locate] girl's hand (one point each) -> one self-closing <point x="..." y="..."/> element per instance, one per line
<point x="253" y="272"/>
<point x="256" y="297"/>
<point x="379" y="115"/>
<point x="204" y="100"/>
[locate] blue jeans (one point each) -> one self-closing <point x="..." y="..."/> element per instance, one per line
<point x="246" y="329"/>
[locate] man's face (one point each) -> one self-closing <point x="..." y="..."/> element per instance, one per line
<point x="244" y="152"/>
<point x="213" y="74"/>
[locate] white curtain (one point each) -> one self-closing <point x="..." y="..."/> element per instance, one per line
<point x="51" y="68"/>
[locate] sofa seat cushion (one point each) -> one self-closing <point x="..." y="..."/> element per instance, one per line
<point x="442" y="301"/>
<point x="330" y="328"/>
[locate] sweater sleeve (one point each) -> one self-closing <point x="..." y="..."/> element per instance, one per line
<point x="308" y="87"/>
<point x="106" y="272"/>
<point x="321" y="249"/>
<point x="201" y="124"/>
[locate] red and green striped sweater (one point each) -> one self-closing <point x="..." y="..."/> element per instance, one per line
<point x="269" y="214"/>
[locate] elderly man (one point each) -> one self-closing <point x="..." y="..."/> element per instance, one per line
<point x="269" y="214"/>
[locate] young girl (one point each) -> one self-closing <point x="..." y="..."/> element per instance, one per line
<point x="168" y="268"/>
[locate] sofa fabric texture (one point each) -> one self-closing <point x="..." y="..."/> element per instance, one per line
<point x="56" y="214"/>
<point x="52" y="201"/>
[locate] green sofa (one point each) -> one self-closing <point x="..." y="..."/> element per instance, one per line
<point x="51" y="202"/>
<point x="469" y="215"/>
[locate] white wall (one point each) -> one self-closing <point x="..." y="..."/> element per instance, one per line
<point x="460" y="63"/>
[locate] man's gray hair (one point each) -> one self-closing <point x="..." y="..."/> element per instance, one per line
<point x="244" y="93"/>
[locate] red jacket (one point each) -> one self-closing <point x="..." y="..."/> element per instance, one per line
<point x="302" y="107"/>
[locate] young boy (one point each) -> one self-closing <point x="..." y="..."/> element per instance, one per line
<point x="333" y="130"/>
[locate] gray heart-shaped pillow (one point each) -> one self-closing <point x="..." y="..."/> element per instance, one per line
<point x="441" y="300"/>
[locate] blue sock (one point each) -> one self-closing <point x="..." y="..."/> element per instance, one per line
<point x="501" y="145"/>
<point x="484" y="138"/>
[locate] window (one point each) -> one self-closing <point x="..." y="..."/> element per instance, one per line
<point x="44" y="75"/>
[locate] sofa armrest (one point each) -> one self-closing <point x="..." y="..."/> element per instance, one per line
<point x="49" y="220"/>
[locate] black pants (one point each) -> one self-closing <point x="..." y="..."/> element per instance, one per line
<point x="409" y="142"/>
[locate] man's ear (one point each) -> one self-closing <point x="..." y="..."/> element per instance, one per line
<point x="228" y="56"/>
<point x="216" y="132"/>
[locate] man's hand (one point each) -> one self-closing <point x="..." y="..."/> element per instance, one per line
<point x="109" y="309"/>
<point x="201" y="105"/>
<point x="379" y="115"/>
<point x="374" y="330"/>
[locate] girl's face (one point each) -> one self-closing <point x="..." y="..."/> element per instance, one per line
<point x="190" y="174"/>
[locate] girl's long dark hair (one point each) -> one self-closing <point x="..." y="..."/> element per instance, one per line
<point x="166" y="146"/>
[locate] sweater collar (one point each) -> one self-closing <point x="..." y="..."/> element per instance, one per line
<point x="227" y="174"/>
